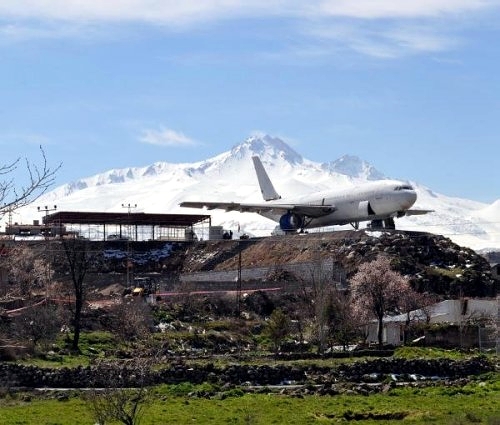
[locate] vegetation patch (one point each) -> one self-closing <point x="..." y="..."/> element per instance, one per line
<point x="430" y="353"/>
<point x="377" y="416"/>
<point x="451" y="272"/>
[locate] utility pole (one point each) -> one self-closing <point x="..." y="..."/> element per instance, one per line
<point x="238" y="282"/>
<point x="129" y="207"/>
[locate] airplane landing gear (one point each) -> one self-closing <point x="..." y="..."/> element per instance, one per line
<point x="387" y="224"/>
<point x="376" y="225"/>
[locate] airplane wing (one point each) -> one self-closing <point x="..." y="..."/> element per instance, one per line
<point x="417" y="212"/>
<point x="310" y="210"/>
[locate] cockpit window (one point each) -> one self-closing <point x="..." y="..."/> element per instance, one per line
<point x="404" y="187"/>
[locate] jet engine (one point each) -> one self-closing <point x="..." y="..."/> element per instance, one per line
<point x="290" y="222"/>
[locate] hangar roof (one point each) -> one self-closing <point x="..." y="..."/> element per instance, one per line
<point x="79" y="217"/>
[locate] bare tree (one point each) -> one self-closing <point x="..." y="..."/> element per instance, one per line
<point x="79" y="259"/>
<point x="314" y="311"/>
<point x="28" y="270"/>
<point x="123" y="401"/>
<point x="412" y="301"/>
<point x="317" y="290"/>
<point x="39" y="179"/>
<point x="125" y="405"/>
<point x="342" y="321"/>
<point x="378" y="289"/>
<point x="40" y="324"/>
<point x="322" y="303"/>
<point x="135" y="319"/>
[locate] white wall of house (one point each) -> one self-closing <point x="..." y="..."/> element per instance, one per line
<point x="448" y="311"/>
<point x="392" y="333"/>
<point x="457" y="311"/>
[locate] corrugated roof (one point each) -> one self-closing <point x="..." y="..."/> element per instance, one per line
<point x="87" y="217"/>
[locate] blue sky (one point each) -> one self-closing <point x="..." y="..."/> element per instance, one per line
<point x="412" y="87"/>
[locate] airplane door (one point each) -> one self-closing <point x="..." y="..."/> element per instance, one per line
<point x="365" y="209"/>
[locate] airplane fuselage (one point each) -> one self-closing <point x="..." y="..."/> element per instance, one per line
<point x="378" y="200"/>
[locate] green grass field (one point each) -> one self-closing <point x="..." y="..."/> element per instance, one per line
<point x="478" y="402"/>
<point x="474" y="403"/>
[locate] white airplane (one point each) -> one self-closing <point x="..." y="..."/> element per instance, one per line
<point x="378" y="202"/>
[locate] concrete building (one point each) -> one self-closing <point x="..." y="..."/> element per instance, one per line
<point x="459" y="313"/>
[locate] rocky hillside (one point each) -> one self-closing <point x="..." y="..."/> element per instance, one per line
<point x="434" y="263"/>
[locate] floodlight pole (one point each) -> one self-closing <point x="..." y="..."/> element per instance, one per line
<point x="129" y="210"/>
<point x="46" y="209"/>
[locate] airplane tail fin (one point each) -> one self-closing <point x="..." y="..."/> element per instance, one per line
<point x="266" y="187"/>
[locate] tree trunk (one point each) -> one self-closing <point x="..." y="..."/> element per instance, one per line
<point x="406" y="329"/>
<point x="77" y="319"/>
<point x="76" y="335"/>
<point x="380" y="331"/>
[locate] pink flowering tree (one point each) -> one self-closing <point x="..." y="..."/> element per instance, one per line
<point x="378" y="290"/>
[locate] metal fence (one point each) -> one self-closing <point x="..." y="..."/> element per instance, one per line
<point x="309" y="271"/>
<point x="487" y="337"/>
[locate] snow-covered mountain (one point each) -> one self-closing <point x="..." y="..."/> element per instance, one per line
<point x="230" y="176"/>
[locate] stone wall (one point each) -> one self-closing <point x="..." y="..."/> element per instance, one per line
<point x="115" y="375"/>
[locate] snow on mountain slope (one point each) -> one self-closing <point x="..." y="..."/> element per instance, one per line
<point x="489" y="218"/>
<point x="452" y="217"/>
<point x="354" y="166"/>
<point x="230" y="176"/>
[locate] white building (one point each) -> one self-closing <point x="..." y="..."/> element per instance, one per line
<point x="453" y="312"/>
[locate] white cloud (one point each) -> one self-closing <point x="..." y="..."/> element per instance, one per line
<point x="386" y="40"/>
<point x="375" y="28"/>
<point x="166" y="12"/>
<point x="19" y="32"/>
<point x="376" y="9"/>
<point x="421" y="39"/>
<point x="258" y="133"/>
<point x="24" y="138"/>
<point x="166" y="137"/>
<point x="289" y="140"/>
<point x="174" y="12"/>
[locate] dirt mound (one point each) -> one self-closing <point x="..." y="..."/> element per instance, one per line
<point x="110" y="290"/>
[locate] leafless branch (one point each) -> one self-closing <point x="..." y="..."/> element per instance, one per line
<point x="39" y="179"/>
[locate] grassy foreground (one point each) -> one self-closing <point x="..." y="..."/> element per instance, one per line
<point x="475" y="403"/>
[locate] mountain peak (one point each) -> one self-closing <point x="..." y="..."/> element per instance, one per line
<point x="230" y="177"/>
<point x="267" y="147"/>
<point x="353" y="166"/>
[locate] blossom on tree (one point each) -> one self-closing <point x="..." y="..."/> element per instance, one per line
<point x="376" y="290"/>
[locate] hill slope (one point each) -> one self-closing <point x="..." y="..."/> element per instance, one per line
<point x="435" y="264"/>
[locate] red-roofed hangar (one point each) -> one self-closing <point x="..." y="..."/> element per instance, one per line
<point x="126" y="226"/>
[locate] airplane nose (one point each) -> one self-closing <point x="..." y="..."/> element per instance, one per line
<point x="411" y="198"/>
